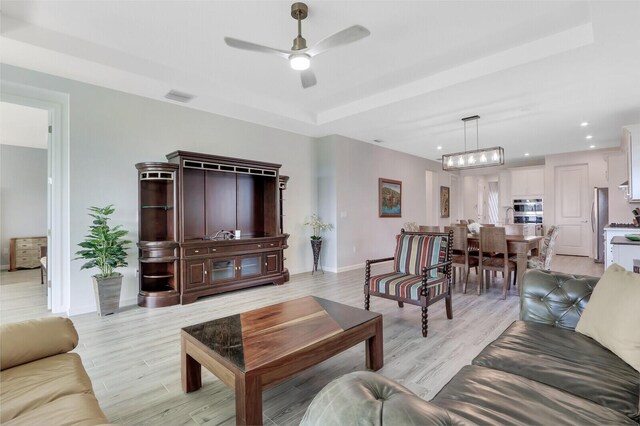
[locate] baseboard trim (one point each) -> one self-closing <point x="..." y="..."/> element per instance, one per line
<point x="87" y="309"/>
<point x="337" y="270"/>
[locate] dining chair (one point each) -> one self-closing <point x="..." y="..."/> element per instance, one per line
<point x="494" y="256"/>
<point x="513" y="229"/>
<point x="421" y="273"/>
<point x="461" y="258"/>
<point x="546" y="251"/>
<point x="429" y="228"/>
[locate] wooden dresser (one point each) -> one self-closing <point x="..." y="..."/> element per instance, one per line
<point x="24" y="253"/>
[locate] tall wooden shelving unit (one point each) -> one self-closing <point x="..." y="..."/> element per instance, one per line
<point x="211" y="194"/>
<point x="157" y="245"/>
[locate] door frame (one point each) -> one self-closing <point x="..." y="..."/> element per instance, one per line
<point x="58" y="217"/>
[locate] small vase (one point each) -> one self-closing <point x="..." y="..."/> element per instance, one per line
<point x="316" y="245"/>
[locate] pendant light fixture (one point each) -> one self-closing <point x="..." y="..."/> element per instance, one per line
<point x="486" y="157"/>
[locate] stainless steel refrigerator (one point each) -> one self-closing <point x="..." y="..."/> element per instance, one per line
<point x="599" y="219"/>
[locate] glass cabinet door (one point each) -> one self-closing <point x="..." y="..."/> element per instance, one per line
<point x="223" y="269"/>
<point x="250" y="266"/>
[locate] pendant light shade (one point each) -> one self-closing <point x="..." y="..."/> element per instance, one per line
<point x="485" y="157"/>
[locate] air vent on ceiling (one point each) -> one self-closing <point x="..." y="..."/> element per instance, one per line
<point x="378" y="140"/>
<point x="174" y="95"/>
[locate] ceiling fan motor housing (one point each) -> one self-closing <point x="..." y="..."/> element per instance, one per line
<point x="299" y="11"/>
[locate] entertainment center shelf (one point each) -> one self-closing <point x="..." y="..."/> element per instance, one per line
<point x="191" y="201"/>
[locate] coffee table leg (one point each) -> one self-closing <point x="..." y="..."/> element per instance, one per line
<point x="374" y="351"/>
<point x="248" y="400"/>
<point x="191" y="370"/>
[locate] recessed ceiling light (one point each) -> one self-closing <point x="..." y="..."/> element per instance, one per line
<point x="592" y="146"/>
<point x="588" y="137"/>
<point x="584" y="124"/>
<point x="439" y="147"/>
<point x="526" y="154"/>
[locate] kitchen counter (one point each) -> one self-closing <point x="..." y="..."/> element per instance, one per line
<point x="612" y="231"/>
<point x="625" y="252"/>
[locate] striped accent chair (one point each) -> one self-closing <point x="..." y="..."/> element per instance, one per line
<point x="421" y="273"/>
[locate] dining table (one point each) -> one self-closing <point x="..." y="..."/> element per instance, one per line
<point x="519" y="245"/>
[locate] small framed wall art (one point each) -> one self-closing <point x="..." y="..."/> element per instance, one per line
<point x="444" y="201"/>
<point x="389" y="198"/>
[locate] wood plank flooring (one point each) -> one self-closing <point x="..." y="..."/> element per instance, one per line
<point x="133" y="357"/>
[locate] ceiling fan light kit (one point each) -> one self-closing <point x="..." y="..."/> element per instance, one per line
<point x="485" y="157"/>
<point x="300" y="61"/>
<point x="300" y="55"/>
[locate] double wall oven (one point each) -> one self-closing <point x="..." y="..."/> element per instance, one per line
<point x="527" y="211"/>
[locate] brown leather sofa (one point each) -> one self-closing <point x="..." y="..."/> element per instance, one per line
<point x="41" y="381"/>
<point x="538" y="372"/>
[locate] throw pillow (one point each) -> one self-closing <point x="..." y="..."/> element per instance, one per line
<point x="612" y="316"/>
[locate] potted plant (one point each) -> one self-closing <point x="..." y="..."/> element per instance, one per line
<point x="316" y="238"/>
<point x="104" y="248"/>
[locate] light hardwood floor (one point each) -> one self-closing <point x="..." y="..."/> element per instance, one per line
<point x="133" y="357"/>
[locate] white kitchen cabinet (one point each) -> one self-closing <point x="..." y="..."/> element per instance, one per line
<point x="625" y="252"/>
<point x="609" y="233"/>
<point x="527" y="182"/>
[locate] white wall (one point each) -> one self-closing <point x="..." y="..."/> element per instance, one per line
<point x="111" y="131"/>
<point x="351" y="168"/>
<point x="23" y="194"/>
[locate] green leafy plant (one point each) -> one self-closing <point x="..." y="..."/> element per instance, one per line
<point x="318" y="226"/>
<point x="104" y="247"/>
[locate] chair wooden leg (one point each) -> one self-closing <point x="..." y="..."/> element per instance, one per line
<point x="425" y="321"/>
<point x="447" y="303"/>
<point x="400" y="304"/>
<point x="515" y="274"/>
<point x="453" y="282"/>
<point x="505" y="282"/>
<point x="466" y="281"/>
<point x="480" y="280"/>
<point x="366" y="301"/>
<point x="41" y="275"/>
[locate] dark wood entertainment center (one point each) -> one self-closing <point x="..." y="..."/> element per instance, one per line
<point x="185" y="207"/>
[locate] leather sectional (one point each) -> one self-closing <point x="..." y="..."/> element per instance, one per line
<point x="539" y="371"/>
<point x="42" y="382"/>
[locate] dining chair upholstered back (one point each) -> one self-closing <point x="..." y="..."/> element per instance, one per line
<point x="546" y="251"/>
<point x="460" y="243"/>
<point x="493" y="239"/>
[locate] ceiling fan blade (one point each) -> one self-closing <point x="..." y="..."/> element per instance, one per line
<point x="252" y="47"/>
<point x="346" y="36"/>
<point x="308" y="78"/>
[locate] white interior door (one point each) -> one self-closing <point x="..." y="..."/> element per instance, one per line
<point x="572" y="205"/>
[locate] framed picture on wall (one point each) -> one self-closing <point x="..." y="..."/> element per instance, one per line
<point x="389" y="198"/>
<point x="444" y="201"/>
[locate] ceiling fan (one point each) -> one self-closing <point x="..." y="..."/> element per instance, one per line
<point x="300" y="55"/>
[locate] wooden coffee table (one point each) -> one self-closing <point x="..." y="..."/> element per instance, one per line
<point x="255" y="350"/>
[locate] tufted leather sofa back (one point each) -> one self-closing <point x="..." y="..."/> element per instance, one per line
<point x="554" y="298"/>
